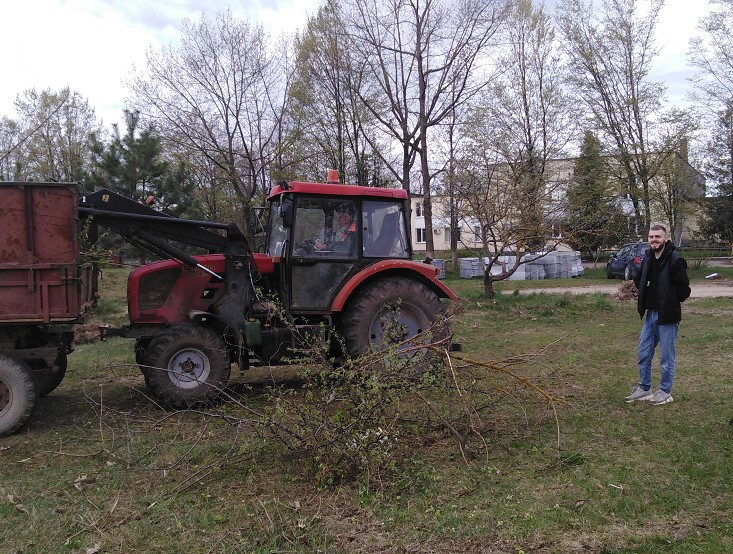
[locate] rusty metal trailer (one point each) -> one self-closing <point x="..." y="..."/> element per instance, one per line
<point x="44" y="289"/>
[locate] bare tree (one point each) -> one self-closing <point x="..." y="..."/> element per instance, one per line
<point x="519" y="124"/>
<point x="425" y="57"/>
<point x="452" y="138"/>
<point x="219" y="98"/>
<point x="332" y="122"/>
<point x="610" y="54"/>
<point x="713" y="54"/>
<point x="10" y="140"/>
<point x="52" y="136"/>
<point x="497" y="201"/>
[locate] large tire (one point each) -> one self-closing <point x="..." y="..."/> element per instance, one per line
<point x="18" y="395"/>
<point x="388" y="312"/>
<point x="141" y="344"/>
<point x="48" y="379"/>
<point x="609" y="273"/>
<point x="186" y="366"/>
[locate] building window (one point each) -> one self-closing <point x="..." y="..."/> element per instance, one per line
<point x="419" y="235"/>
<point x="447" y="231"/>
<point x="477" y="234"/>
<point x="418" y="210"/>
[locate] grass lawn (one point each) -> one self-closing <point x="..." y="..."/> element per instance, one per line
<point x="101" y="468"/>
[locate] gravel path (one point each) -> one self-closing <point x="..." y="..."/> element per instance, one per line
<point x="699" y="290"/>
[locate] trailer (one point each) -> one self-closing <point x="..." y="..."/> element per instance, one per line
<point x="45" y="289"/>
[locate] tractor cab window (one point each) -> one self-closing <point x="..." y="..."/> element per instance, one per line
<point x="278" y="234"/>
<point x="385" y="235"/>
<point x="325" y="228"/>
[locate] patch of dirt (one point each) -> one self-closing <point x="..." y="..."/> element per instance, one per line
<point x="627" y="291"/>
<point x="86" y="333"/>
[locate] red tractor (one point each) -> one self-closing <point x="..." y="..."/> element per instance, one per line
<point x="336" y="269"/>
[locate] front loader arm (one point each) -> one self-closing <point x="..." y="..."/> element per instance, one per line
<point x="152" y="230"/>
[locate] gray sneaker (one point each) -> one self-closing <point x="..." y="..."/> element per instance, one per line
<point x="660" y="397"/>
<point x="637" y="393"/>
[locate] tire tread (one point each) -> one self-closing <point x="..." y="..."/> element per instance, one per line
<point x="17" y="376"/>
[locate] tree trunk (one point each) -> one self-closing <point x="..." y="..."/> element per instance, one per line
<point x="489" y="284"/>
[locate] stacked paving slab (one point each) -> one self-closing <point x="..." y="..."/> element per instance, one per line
<point x="555" y="265"/>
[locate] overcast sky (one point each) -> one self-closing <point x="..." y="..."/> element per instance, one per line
<point x="91" y="45"/>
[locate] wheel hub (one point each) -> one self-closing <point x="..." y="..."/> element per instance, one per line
<point x="395" y="325"/>
<point x="189" y="368"/>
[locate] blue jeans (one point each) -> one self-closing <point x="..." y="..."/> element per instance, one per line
<point x="665" y="336"/>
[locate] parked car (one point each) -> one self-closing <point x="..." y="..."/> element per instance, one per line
<point x="626" y="261"/>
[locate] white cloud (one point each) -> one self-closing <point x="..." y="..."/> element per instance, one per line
<point x="677" y="25"/>
<point x="91" y="45"/>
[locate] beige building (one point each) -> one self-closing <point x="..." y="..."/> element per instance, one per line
<point x="469" y="232"/>
<point x="678" y="191"/>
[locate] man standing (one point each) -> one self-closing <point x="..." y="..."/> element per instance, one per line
<point x="663" y="285"/>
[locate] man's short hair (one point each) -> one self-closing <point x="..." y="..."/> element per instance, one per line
<point x="658" y="227"/>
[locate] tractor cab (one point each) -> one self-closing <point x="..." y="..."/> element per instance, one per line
<point x="337" y="221"/>
<point x="324" y="234"/>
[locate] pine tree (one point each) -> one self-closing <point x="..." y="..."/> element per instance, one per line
<point x="134" y="165"/>
<point x="594" y="219"/>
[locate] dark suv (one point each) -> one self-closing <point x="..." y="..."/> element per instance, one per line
<point x="627" y="261"/>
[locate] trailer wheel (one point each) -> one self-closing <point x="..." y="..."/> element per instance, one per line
<point x="47" y="380"/>
<point x="18" y="395"/>
<point x="186" y="366"/>
<point x="389" y="312"/>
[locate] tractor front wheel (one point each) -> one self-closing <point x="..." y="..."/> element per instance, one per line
<point x="18" y="395"/>
<point x="186" y="366"/>
<point x="390" y="312"/>
<point x="140" y="345"/>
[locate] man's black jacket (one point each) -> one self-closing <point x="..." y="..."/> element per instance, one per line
<point x="672" y="286"/>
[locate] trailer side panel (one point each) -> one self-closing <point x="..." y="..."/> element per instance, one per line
<point x="41" y="280"/>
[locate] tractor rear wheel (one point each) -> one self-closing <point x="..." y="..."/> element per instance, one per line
<point x="389" y="312"/>
<point x="18" y="395"/>
<point x="186" y="366"/>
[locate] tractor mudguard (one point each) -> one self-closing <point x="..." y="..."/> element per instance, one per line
<point x="421" y="272"/>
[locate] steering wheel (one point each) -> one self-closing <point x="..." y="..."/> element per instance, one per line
<point x="309" y="245"/>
